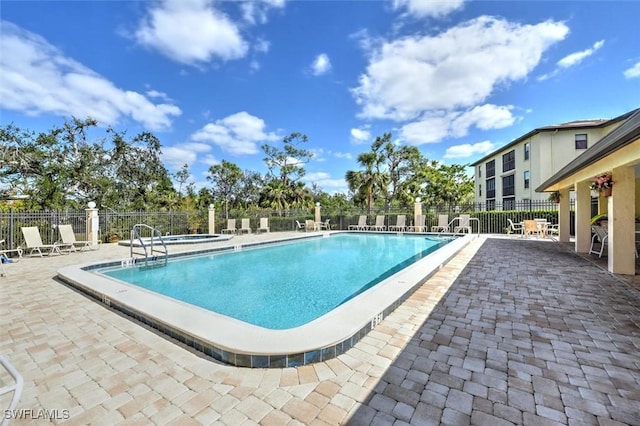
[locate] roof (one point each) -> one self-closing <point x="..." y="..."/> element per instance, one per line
<point x="577" y="124"/>
<point x="623" y="135"/>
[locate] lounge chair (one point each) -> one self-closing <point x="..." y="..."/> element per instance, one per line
<point x="231" y="227"/>
<point x="400" y="223"/>
<point x="443" y="224"/>
<point x="33" y="242"/>
<point x="245" y="226"/>
<point x="464" y="224"/>
<point x="300" y="226"/>
<point x="516" y="229"/>
<point x="379" y="226"/>
<point x="362" y="224"/>
<point x="264" y="225"/>
<point x="69" y="237"/>
<point x="324" y="225"/>
<point x="419" y="225"/>
<point x="602" y="234"/>
<point x="309" y="225"/>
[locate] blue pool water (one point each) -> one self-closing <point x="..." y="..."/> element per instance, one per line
<point x="284" y="285"/>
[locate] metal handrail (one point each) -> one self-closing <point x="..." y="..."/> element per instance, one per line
<point x="16" y="388"/>
<point x="155" y="233"/>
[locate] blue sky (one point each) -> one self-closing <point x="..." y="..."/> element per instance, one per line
<point x="216" y="80"/>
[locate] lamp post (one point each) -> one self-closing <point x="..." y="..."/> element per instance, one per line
<point x="92" y="223"/>
<point x="317" y="216"/>
<point x="212" y="219"/>
<point x="417" y="214"/>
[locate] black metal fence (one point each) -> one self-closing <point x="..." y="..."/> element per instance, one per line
<point x="114" y="225"/>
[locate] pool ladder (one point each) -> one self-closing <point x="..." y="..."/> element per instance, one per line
<point x="152" y="253"/>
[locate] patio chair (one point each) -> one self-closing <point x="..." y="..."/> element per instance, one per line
<point x="530" y="227"/>
<point x="419" y="225"/>
<point x="264" y="225"/>
<point x="231" y="227"/>
<point x="245" y="226"/>
<point x="362" y="224"/>
<point x="325" y="225"/>
<point x="300" y="226"/>
<point x="309" y="225"/>
<point x="602" y="234"/>
<point x="69" y="237"/>
<point x="517" y="229"/>
<point x="464" y="224"/>
<point x="400" y="223"/>
<point x="379" y="226"/>
<point x="443" y="224"/>
<point x="33" y="242"/>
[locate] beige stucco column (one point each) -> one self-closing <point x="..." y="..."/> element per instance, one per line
<point x="563" y="215"/>
<point x="417" y="214"/>
<point x="583" y="216"/>
<point x="622" y="226"/>
<point x="92" y="224"/>
<point x="317" y="215"/>
<point x="212" y="219"/>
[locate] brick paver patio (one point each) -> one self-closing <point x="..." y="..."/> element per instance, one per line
<point x="509" y="332"/>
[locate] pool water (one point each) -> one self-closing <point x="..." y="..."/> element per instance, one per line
<point x="284" y="285"/>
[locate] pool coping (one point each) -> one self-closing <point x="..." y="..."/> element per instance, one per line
<point x="246" y="345"/>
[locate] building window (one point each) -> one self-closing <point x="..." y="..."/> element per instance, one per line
<point x="479" y="171"/>
<point x="491" y="169"/>
<point x="509" y="161"/>
<point x="480" y="190"/>
<point x="491" y="188"/>
<point x="509" y="203"/>
<point x="491" y="204"/>
<point x="508" y="185"/>
<point x="581" y="141"/>
<point x="526" y="179"/>
<point x="527" y="148"/>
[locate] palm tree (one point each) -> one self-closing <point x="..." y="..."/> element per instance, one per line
<point x="367" y="182"/>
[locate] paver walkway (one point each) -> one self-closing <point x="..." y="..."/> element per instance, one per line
<point x="509" y="332"/>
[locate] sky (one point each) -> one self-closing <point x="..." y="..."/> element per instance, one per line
<point x="215" y="80"/>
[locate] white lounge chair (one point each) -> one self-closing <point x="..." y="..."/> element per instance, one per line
<point x="33" y="242"/>
<point x="379" y="226"/>
<point x="300" y="226"/>
<point x="516" y="229"/>
<point x="602" y="234"/>
<point x="245" y="226"/>
<point x="464" y="224"/>
<point x="443" y="224"/>
<point x="419" y="225"/>
<point x="324" y="225"/>
<point x="362" y="224"/>
<point x="69" y="237"/>
<point x="264" y="225"/>
<point x="231" y="227"/>
<point x="400" y="223"/>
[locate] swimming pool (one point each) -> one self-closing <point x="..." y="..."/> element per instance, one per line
<point x="241" y="343"/>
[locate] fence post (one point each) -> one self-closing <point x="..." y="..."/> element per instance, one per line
<point x="212" y="219"/>
<point x="92" y="224"/>
<point x="417" y="214"/>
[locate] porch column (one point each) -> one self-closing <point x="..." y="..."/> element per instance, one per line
<point x="417" y="214"/>
<point x="583" y="216"/>
<point x="563" y="215"/>
<point x="92" y="224"/>
<point x="622" y="225"/>
<point x="317" y="213"/>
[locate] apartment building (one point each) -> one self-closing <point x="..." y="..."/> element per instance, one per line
<point x="512" y="172"/>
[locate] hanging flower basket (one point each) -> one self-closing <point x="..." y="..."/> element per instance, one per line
<point x="603" y="183"/>
<point x="555" y="197"/>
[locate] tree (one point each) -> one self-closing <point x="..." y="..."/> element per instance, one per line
<point x="226" y="178"/>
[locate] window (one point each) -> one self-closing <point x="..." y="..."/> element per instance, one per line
<point x="491" y="169"/>
<point x="480" y="190"/>
<point x="581" y="141"/>
<point x="491" y="188"/>
<point x="526" y="179"/>
<point x="491" y="204"/>
<point x="509" y="161"/>
<point x="508" y="185"/>
<point x="527" y="148"/>
<point x="509" y="203"/>
<point x="479" y="171"/>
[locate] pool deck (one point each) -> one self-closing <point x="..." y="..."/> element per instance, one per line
<point x="510" y="331"/>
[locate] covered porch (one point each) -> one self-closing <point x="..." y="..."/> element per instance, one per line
<point x="617" y="155"/>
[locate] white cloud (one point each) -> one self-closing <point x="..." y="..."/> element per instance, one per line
<point x="186" y="153"/>
<point x="455" y="69"/>
<point x="261" y="45"/>
<point x="467" y="150"/>
<point x="170" y="28"/>
<point x="238" y="134"/>
<point x="326" y="182"/>
<point x="321" y="64"/>
<point x="360" y="136"/>
<point x="424" y="8"/>
<point x="572" y="60"/>
<point x="633" y="72"/>
<point x="434" y="126"/>
<point x="255" y="11"/>
<point x="343" y="155"/>
<point x="37" y="78"/>
<point x="577" y="57"/>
